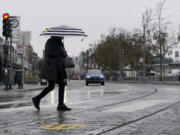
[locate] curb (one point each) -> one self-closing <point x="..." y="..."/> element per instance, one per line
<point x="5" y="97"/>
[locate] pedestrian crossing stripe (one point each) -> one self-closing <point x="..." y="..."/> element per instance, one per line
<point x="62" y="126"/>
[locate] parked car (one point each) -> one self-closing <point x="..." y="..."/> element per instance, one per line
<point x="95" y="76"/>
<point x="75" y="77"/>
<point x="43" y="82"/>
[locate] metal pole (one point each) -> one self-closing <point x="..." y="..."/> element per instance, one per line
<point x="11" y="62"/>
<point x="22" y="63"/>
<point x="160" y="39"/>
<point x="144" y="53"/>
<point x="6" y="76"/>
<point x="120" y="63"/>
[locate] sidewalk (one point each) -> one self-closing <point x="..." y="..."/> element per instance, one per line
<point x="15" y="91"/>
<point x="25" y="87"/>
<point x="13" y="97"/>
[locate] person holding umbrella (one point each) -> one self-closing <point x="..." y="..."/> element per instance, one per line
<point x="54" y="71"/>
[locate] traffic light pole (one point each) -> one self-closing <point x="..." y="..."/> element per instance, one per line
<point x="6" y="71"/>
<point x="11" y="63"/>
<point x="8" y="65"/>
<point x="7" y="33"/>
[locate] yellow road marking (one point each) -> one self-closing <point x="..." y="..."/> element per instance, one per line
<point x="62" y="126"/>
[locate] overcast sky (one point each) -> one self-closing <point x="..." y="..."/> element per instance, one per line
<point x="95" y="17"/>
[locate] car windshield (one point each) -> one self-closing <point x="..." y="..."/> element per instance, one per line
<point x="94" y="72"/>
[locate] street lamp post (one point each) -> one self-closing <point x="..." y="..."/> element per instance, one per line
<point x="121" y="53"/>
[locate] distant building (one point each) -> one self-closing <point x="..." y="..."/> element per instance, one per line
<point x="24" y="38"/>
<point x="76" y="62"/>
<point x="155" y="64"/>
<point x="176" y="51"/>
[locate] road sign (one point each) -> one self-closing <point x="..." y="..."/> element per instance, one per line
<point x="15" y="21"/>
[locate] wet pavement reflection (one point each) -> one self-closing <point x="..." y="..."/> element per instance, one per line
<point x="95" y="108"/>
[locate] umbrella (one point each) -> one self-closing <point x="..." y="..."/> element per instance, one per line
<point x="63" y="31"/>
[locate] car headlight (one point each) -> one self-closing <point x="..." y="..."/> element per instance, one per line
<point x="88" y="76"/>
<point x="101" y="76"/>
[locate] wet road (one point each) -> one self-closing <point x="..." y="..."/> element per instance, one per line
<point x="113" y="109"/>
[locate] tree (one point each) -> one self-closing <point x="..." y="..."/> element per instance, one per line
<point x="82" y="61"/>
<point x="40" y="63"/>
<point x="158" y="36"/>
<point x="119" y="49"/>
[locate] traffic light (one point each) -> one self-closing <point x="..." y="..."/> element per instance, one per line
<point x="7" y="28"/>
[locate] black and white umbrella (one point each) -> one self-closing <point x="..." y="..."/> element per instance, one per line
<point x="63" y="31"/>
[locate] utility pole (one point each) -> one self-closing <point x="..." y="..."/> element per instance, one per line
<point x="11" y="63"/>
<point x="22" y="62"/>
<point x="120" y="63"/>
<point x="5" y="65"/>
<point x="144" y="52"/>
<point x="87" y="59"/>
<point x="160" y="39"/>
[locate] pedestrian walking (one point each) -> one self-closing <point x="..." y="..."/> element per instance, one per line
<point x="53" y="71"/>
<point x="18" y="79"/>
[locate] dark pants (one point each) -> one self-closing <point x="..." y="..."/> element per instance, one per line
<point x="51" y="85"/>
<point x="20" y="85"/>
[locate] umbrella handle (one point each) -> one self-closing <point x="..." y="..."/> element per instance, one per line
<point x="83" y="39"/>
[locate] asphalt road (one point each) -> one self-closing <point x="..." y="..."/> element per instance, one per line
<point x="113" y="109"/>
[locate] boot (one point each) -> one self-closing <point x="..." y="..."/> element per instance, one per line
<point x="61" y="105"/>
<point x="36" y="103"/>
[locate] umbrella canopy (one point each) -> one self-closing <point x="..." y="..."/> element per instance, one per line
<point x="63" y="31"/>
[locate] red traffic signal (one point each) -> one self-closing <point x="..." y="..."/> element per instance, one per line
<point x="7" y="27"/>
<point x="5" y="16"/>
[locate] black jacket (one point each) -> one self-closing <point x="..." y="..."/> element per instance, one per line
<point x="53" y="67"/>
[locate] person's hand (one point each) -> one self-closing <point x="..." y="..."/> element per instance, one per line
<point x="65" y="52"/>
